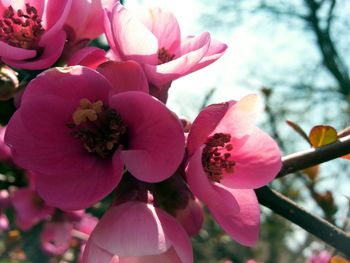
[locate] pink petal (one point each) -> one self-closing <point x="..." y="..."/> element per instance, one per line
<point x="204" y="124"/>
<point x="15" y="53"/>
<point x="243" y="226"/>
<point x="114" y="48"/>
<point x="215" y="51"/>
<point x="156" y="139"/>
<point x="164" y="26"/>
<point x="178" y="237"/>
<point x="51" y="52"/>
<point x="157" y="237"/>
<point x="55" y="237"/>
<point x="54" y="17"/>
<point x="191" y="217"/>
<point x="124" y="76"/>
<point x="90" y="57"/>
<point x="131" y="38"/>
<point x="131" y="229"/>
<point x="258" y="161"/>
<point x="240" y="118"/>
<point x="181" y="65"/>
<point x="5" y="151"/>
<point x="81" y="189"/>
<point x="208" y="192"/>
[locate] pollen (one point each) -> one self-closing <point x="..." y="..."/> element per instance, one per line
<point x="216" y="156"/>
<point x="100" y="129"/>
<point x="164" y="56"/>
<point x="21" y="28"/>
<point x="87" y="111"/>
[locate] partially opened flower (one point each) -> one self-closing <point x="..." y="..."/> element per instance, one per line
<point x="31" y="32"/>
<point x="228" y="158"/>
<point x="76" y="130"/>
<point x="137" y="232"/>
<point x="154" y="40"/>
<point x="56" y="236"/>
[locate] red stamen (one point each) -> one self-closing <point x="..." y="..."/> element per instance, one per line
<point x="215" y="156"/>
<point x="21" y="28"/>
<point x="164" y="56"/>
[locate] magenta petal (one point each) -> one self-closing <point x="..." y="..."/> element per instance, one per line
<point x="15" y="53"/>
<point x="81" y="80"/>
<point x="156" y="139"/>
<point x="124" y="76"/>
<point x="90" y="57"/>
<point x="51" y="52"/>
<point x="240" y="118"/>
<point x="204" y="124"/>
<point x="132" y="39"/>
<point x="257" y="162"/>
<point x="243" y="226"/>
<point x="208" y="192"/>
<point x="164" y="26"/>
<point x="81" y="189"/>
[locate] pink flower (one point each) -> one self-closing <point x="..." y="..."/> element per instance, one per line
<point x="137" y="232"/>
<point x="32" y="35"/>
<point x="90" y="57"/>
<point x="30" y="208"/>
<point x="154" y="40"/>
<point x="56" y="236"/>
<point x="76" y="130"/>
<point x="228" y="157"/>
<point x="5" y="152"/>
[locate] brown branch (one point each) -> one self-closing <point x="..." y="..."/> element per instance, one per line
<point x="304" y="159"/>
<point x="319" y="227"/>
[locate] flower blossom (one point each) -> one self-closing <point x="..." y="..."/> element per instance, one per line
<point x="31" y="32"/>
<point x="77" y="128"/>
<point x="5" y="152"/>
<point x="228" y="158"/>
<point x="154" y="40"/>
<point x="138" y="232"/>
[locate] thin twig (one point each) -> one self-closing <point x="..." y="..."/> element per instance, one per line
<point x="319" y="227"/>
<point x="304" y="159"/>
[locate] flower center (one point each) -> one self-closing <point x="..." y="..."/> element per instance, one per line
<point x="22" y="28"/>
<point x="100" y="129"/>
<point x="164" y="56"/>
<point x="215" y="156"/>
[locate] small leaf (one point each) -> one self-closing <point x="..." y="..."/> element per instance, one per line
<point x="299" y="130"/>
<point x="321" y="135"/>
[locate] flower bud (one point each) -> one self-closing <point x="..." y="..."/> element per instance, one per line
<point x="8" y="83"/>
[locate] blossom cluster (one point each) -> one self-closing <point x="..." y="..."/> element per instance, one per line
<point x="94" y="124"/>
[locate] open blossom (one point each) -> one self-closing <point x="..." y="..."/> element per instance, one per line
<point x="228" y="158"/>
<point x="138" y="232"/>
<point x="31" y="32"/>
<point x="154" y="40"/>
<point x="76" y="130"/>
